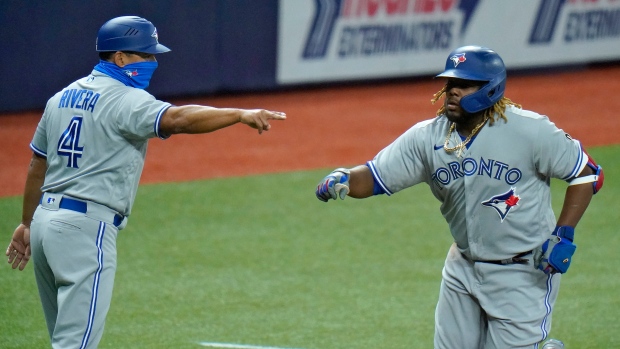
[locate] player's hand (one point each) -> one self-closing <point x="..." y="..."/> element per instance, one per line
<point x="554" y="256"/>
<point x="259" y="118"/>
<point x="334" y="185"/>
<point x="18" y="250"/>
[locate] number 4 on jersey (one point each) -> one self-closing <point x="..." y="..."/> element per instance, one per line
<point x="68" y="143"/>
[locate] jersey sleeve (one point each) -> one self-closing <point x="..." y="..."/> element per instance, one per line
<point x="140" y="114"/>
<point x="39" y="141"/>
<point x="401" y="164"/>
<point x="559" y="155"/>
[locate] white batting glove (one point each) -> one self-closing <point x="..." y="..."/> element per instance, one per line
<point x="334" y="185"/>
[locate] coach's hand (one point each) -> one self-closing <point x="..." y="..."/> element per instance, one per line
<point x="334" y="185"/>
<point x="19" y="248"/>
<point x="259" y="118"/>
<point x="554" y="256"/>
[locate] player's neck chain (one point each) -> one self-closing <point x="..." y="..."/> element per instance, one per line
<point x="460" y="147"/>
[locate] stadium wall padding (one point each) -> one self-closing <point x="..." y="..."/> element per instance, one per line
<point x="254" y="45"/>
<point x="217" y="45"/>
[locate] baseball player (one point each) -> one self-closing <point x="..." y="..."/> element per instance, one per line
<point x="489" y="163"/>
<point x="89" y="150"/>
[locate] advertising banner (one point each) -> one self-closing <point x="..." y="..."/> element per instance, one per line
<point x="330" y="40"/>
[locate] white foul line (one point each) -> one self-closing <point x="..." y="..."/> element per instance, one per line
<point x="237" y="346"/>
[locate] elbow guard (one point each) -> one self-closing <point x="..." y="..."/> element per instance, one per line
<point x="596" y="179"/>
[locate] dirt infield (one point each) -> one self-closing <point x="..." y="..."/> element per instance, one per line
<point x="336" y="126"/>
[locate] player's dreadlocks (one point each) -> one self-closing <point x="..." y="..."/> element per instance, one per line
<point x="498" y="108"/>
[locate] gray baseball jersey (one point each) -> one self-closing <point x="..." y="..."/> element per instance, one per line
<point x="94" y="134"/>
<point x="496" y="197"/>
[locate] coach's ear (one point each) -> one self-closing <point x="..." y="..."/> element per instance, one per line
<point x="120" y="59"/>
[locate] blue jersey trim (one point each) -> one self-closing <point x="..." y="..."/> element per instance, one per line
<point x="95" y="291"/>
<point x="543" y="325"/>
<point x="582" y="160"/>
<point x="379" y="186"/>
<point x="38" y="151"/>
<point x="158" y="120"/>
<point x="464" y="138"/>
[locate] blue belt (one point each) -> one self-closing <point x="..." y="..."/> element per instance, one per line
<point x="82" y="207"/>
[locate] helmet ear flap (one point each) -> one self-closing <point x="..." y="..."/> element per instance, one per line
<point x="492" y="92"/>
<point x="486" y="97"/>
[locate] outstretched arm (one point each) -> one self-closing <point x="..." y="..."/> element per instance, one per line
<point x="204" y="119"/>
<point x="361" y="182"/>
<point x="18" y="250"/>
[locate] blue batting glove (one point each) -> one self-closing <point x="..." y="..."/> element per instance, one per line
<point x="556" y="253"/>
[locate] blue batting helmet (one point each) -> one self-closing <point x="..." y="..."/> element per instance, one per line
<point x="479" y="64"/>
<point x="129" y="33"/>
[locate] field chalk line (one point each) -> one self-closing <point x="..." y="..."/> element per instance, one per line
<point x="237" y="346"/>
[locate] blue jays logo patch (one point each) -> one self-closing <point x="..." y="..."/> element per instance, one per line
<point x="131" y="73"/>
<point x="503" y="203"/>
<point x="154" y="35"/>
<point x="458" y="58"/>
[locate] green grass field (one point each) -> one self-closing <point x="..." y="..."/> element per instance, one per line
<point x="259" y="261"/>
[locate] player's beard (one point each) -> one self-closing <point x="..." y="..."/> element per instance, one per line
<point x="455" y="113"/>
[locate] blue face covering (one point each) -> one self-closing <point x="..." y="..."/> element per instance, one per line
<point x="136" y="75"/>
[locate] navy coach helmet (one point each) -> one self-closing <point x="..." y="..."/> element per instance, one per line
<point x="479" y="64"/>
<point x="129" y="33"/>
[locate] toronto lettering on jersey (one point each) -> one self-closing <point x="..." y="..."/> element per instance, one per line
<point x="79" y="99"/>
<point x="470" y="167"/>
